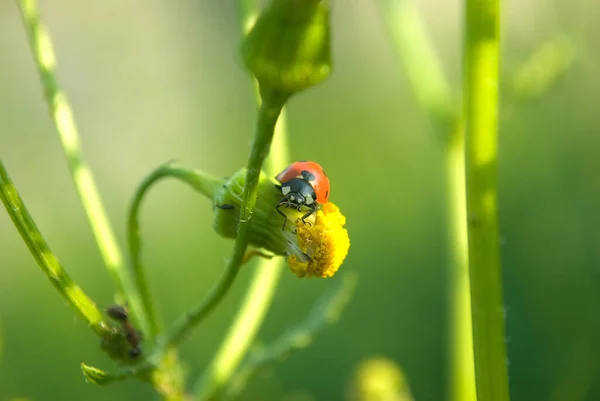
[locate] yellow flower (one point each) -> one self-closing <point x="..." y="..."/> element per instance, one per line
<point x="316" y="248"/>
<point x="321" y="247"/>
<point x="378" y="379"/>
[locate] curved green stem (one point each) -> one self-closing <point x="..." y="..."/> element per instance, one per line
<point x="201" y="182"/>
<point x="165" y="372"/>
<point x="267" y="118"/>
<point x="481" y="121"/>
<point x="62" y="115"/>
<point x="71" y="292"/>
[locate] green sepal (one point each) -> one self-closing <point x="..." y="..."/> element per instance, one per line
<point x="96" y="376"/>
<point x="100" y="377"/>
<point x="267" y="224"/>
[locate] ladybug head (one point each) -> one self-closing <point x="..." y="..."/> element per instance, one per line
<point x="298" y="192"/>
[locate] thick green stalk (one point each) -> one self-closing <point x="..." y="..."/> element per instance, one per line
<point x="481" y="78"/>
<point x="62" y="115"/>
<point x="432" y="91"/>
<point x="71" y="292"/>
<point x="462" y="369"/>
<point x="267" y="118"/>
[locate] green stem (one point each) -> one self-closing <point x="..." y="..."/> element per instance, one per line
<point x="62" y="115"/>
<point x="201" y="182"/>
<point x="267" y="274"/>
<point x="267" y="118"/>
<point x="243" y="330"/>
<point x="420" y="60"/>
<point x="256" y="302"/>
<point x="433" y="93"/>
<point x="71" y="292"/>
<point x="481" y="119"/>
<point x="325" y="312"/>
<point x="462" y="370"/>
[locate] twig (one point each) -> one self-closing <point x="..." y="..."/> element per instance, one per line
<point x="62" y="116"/>
<point x="48" y="262"/>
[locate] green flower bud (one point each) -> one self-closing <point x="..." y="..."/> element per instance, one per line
<point x="266" y="229"/>
<point x="288" y="48"/>
<point x="316" y="246"/>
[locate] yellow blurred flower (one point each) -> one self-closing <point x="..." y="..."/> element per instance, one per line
<point x="379" y="379"/>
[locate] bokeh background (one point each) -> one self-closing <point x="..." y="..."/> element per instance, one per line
<point x="156" y="80"/>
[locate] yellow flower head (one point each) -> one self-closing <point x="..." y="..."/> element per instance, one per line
<point x="379" y="378"/>
<point x="319" y="249"/>
<point x="315" y="248"/>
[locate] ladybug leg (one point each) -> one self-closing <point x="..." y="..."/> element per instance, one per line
<point x="281" y="203"/>
<point x="311" y="211"/>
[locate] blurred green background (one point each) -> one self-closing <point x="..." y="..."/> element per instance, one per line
<point x="155" y="80"/>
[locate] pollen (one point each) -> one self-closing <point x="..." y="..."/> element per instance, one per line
<point x="323" y="246"/>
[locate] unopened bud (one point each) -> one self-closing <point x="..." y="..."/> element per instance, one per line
<point x="288" y="48"/>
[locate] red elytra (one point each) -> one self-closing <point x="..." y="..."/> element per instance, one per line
<point x="320" y="183"/>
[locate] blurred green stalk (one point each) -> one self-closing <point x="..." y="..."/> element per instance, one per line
<point x="62" y="116"/>
<point x="46" y="259"/>
<point x="481" y="77"/>
<point x="420" y="61"/>
<point x="242" y="332"/>
<point x="462" y="369"/>
<point x="433" y="93"/>
<point x="325" y="312"/>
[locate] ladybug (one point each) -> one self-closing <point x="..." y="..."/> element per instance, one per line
<point x="303" y="183"/>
